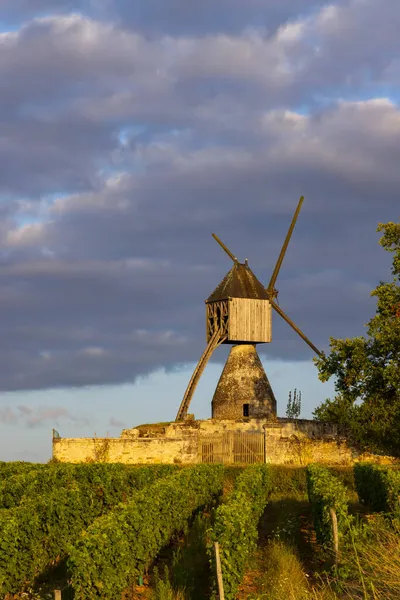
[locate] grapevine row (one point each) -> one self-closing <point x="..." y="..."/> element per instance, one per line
<point x="13" y="468"/>
<point x="378" y="487"/>
<point x="235" y="526"/>
<point x="326" y="493"/>
<point x="30" y="482"/>
<point x="41" y="529"/>
<point x="117" y="547"/>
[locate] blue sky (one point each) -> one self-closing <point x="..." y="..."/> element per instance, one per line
<point x="129" y="132"/>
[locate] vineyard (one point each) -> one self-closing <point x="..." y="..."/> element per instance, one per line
<point x="121" y="532"/>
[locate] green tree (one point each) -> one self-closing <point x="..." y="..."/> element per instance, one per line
<point x="367" y="368"/>
<point x="293" y="408"/>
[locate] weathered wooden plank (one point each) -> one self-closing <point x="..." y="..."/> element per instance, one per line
<point x="249" y="320"/>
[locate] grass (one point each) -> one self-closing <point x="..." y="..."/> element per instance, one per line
<point x="284" y="577"/>
<point x="287" y="553"/>
<point x="370" y="567"/>
<point x="163" y="589"/>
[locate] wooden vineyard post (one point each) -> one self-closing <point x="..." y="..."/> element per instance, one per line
<point x="57" y="594"/>
<point x="219" y="572"/>
<point x="335" y="535"/>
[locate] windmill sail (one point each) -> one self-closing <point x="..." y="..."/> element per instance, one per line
<point x="271" y="286"/>
<point x="294" y="326"/>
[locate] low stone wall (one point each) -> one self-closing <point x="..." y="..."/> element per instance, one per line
<point x="125" y="450"/>
<point x="287" y="442"/>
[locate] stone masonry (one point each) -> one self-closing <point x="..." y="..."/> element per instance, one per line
<point x="243" y="383"/>
<point x="287" y="442"/>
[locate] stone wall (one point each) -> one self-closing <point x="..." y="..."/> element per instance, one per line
<point x="125" y="450"/>
<point x="287" y="441"/>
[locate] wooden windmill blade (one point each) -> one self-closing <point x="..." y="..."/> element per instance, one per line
<point x="215" y="340"/>
<point x="294" y="326"/>
<point x="271" y="286"/>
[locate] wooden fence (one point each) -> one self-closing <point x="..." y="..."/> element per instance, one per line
<point x="232" y="447"/>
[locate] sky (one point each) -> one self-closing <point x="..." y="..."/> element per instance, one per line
<point x="131" y="131"/>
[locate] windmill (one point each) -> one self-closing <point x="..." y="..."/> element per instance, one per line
<point x="239" y="312"/>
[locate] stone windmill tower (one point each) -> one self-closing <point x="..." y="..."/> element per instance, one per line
<point x="238" y="312"/>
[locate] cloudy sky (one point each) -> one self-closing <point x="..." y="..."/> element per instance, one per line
<point x="129" y="132"/>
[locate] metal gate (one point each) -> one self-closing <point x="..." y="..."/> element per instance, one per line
<point x="232" y="447"/>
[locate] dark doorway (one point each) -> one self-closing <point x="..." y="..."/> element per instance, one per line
<point x="245" y="410"/>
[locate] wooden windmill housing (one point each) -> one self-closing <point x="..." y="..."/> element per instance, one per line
<point x="239" y="312"/>
<point x="239" y="308"/>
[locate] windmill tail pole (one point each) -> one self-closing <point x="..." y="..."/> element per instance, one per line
<point x="214" y="342"/>
<point x="225" y="248"/>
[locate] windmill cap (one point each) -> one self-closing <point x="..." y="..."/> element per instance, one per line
<point x="239" y="282"/>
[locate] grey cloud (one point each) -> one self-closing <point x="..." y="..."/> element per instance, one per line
<point x="359" y="33"/>
<point x="172" y="16"/>
<point x="107" y="282"/>
<point x="34" y="417"/>
<point x="29" y="416"/>
<point x="25" y="9"/>
<point x="8" y="416"/>
<point x="118" y="333"/>
<point x="71" y="84"/>
<point x="39" y="158"/>
<point x="116" y="422"/>
<point x="55" y="59"/>
<point x="200" y="17"/>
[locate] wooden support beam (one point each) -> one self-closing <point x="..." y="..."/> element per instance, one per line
<point x="214" y="342"/>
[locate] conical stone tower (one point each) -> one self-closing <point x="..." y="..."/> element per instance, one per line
<point x="243" y="389"/>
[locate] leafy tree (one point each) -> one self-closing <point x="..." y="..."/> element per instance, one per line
<point x="367" y="368"/>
